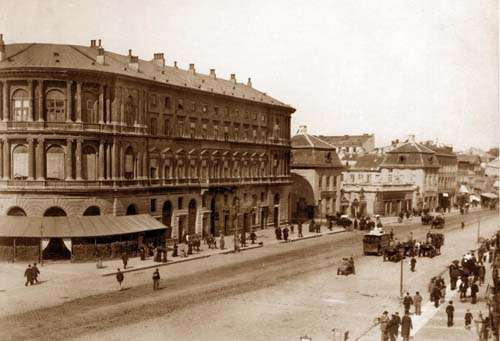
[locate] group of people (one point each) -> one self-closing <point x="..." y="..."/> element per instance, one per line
<point x="284" y="233"/>
<point x="31" y="273"/>
<point x="389" y="326"/>
<point x="120" y="277"/>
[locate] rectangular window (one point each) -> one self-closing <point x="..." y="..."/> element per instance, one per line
<point x="153" y="127"/>
<point x="320" y="182"/>
<point x="327" y="181"/>
<point x="179" y="203"/>
<point x="180" y="104"/>
<point x="167" y="102"/>
<point x="167" y="128"/>
<point x="216" y="111"/>
<point x="152" y="205"/>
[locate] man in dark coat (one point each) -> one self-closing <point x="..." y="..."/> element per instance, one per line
<point x="156" y="279"/>
<point x="468" y="319"/>
<point x="119" y="277"/>
<point x="450" y="309"/>
<point x="407" y="302"/>
<point x="436" y="295"/>
<point x="299" y="230"/>
<point x="28" y="273"/>
<point x="474" y="289"/>
<point x="413" y="262"/>
<point x="253" y="237"/>
<point x="285" y="234"/>
<point x="393" y="326"/>
<point x="124" y="260"/>
<point x="36" y="272"/>
<point x="406" y="327"/>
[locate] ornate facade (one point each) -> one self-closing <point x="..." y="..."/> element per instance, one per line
<point x="93" y="132"/>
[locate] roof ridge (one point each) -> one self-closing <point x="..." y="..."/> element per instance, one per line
<point x="21" y="51"/>
<point x="81" y="52"/>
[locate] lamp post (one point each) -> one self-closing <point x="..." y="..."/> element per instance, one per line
<point x="478" y="229"/>
<point x="401" y="281"/>
<point x="236" y="208"/>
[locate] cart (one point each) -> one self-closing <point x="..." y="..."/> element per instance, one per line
<point x="375" y="244"/>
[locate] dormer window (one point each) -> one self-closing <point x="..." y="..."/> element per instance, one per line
<point x="402" y="159"/>
<point x="328" y="157"/>
<point x="180" y="104"/>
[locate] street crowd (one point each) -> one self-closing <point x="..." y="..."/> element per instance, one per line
<point x="469" y="275"/>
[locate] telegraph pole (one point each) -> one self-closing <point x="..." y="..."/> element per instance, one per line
<point x="401" y="281"/>
<point x="478" y="229"/>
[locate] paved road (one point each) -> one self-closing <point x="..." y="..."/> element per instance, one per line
<point x="273" y="293"/>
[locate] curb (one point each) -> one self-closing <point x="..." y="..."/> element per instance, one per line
<point x="158" y="265"/>
<point x="251" y="247"/>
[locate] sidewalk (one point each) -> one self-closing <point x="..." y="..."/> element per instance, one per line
<point x="264" y="237"/>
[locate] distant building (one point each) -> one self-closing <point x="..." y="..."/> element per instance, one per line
<point x="469" y="168"/>
<point x="349" y="147"/>
<point x="492" y="168"/>
<point x="316" y="174"/>
<point x="447" y="174"/>
<point x="414" y="163"/>
<point x="368" y="189"/>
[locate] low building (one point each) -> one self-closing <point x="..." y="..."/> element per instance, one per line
<point x="447" y="173"/>
<point x="316" y="174"/>
<point x="414" y="163"/>
<point x="368" y="189"/>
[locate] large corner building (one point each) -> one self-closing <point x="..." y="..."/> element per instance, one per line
<point x="88" y="132"/>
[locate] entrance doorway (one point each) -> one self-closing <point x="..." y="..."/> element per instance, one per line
<point x="213" y="216"/>
<point x="181" y="229"/>
<point x="166" y="217"/>
<point x="56" y="248"/>
<point x="131" y="209"/>
<point x="192" y="217"/>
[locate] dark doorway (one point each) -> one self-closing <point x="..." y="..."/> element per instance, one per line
<point x="226" y="223"/>
<point x="181" y="229"/>
<point x="92" y="211"/>
<point x="131" y="209"/>
<point x="213" y="217"/>
<point x="276" y="216"/>
<point x="192" y="217"/>
<point x="166" y="217"/>
<point x="16" y="211"/>
<point x="263" y="217"/>
<point x="56" y="249"/>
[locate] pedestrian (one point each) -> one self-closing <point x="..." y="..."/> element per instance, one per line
<point x="124" y="260"/>
<point x="243" y="239"/>
<point x="462" y="225"/>
<point x="468" y="319"/>
<point x="407" y="302"/>
<point x="285" y="234"/>
<point x="391" y="234"/>
<point x="175" y="252"/>
<point x="406" y="327"/>
<point x="299" y="230"/>
<point x="253" y="237"/>
<point x="417" y="301"/>
<point x="318" y="228"/>
<point x="474" y="289"/>
<point x="351" y="263"/>
<point x="156" y="279"/>
<point x="413" y="262"/>
<point x="119" y="277"/>
<point x="436" y="295"/>
<point x="384" y="324"/>
<point x="292" y="227"/>
<point x="450" y="309"/>
<point x="28" y="273"/>
<point x="36" y="272"/>
<point x="393" y="327"/>
<point x="222" y="242"/>
<point x="482" y="273"/>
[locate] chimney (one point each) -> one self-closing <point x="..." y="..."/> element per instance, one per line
<point x="212" y="73"/>
<point x="249" y="82"/>
<point x="191" y="68"/>
<point x="100" y="59"/>
<point x="92" y="43"/>
<point x="159" y="59"/>
<point x="411" y="138"/>
<point x="233" y="78"/>
<point x="2" y="48"/>
<point x="302" y="130"/>
<point x="133" y="61"/>
<point x="99" y="43"/>
<point x="175" y="64"/>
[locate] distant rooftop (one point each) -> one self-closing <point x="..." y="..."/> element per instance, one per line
<point x="347" y="140"/>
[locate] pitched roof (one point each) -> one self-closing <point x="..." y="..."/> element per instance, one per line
<point x="347" y="140"/>
<point x="410" y="155"/>
<point x="368" y="162"/>
<point x="474" y="159"/>
<point x="412" y="147"/>
<point x="84" y="58"/>
<point x="309" y="141"/>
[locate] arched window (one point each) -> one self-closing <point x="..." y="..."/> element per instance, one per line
<point x="55" y="163"/>
<point x="130" y="111"/>
<point x="55" y="106"/>
<point x="20" y="105"/>
<point x="20" y="162"/>
<point x="131" y="209"/>
<point x="54" y="211"/>
<point x="89" y="108"/>
<point x="16" y="211"/>
<point x="89" y="163"/>
<point x="129" y="171"/>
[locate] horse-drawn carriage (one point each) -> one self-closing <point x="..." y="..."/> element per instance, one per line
<point x="394" y="253"/>
<point x="437" y="221"/>
<point x="432" y="245"/>
<point x="344" y="221"/>
<point x="346" y="267"/>
<point x="426" y="219"/>
<point x="375" y="243"/>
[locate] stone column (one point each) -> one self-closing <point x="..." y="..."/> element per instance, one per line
<point x="1" y="158"/>
<point x="108" y="161"/>
<point x="31" y="100"/>
<point x="69" y="102"/>
<point x="6" y="159"/>
<point x="5" y="100"/>
<point x="108" y="105"/>
<point x="69" y="159"/>
<point x="102" y="158"/>
<point x="101" y="104"/>
<point x="114" y="160"/>
<point x="122" y="107"/>
<point x="78" y="158"/>
<point x="121" y="160"/>
<point x="139" y="165"/>
<point x="145" y="165"/>
<point x="40" y="100"/>
<point x="40" y="155"/>
<point x="79" y="102"/>
<point x="31" y="158"/>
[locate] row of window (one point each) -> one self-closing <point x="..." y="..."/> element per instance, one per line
<point x="326" y="180"/>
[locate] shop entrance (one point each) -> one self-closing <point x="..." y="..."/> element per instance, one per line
<point x="56" y="248"/>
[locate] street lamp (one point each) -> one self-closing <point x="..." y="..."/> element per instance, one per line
<point x="236" y="208"/>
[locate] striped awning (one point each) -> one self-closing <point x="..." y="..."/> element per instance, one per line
<point x="77" y="226"/>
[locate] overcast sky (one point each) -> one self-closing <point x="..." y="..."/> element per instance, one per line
<point x="388" y="67"/>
